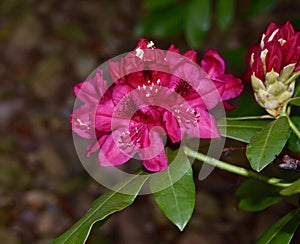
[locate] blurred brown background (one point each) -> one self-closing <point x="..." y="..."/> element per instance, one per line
<point x="45" y="48"/>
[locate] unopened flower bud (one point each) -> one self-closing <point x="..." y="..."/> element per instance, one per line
<point x="273" y="66"/>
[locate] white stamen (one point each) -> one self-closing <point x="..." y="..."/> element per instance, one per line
<point x="147" y="94"/>
<point x="158" y="81"/>
<point x="82" y="123"/>
<point x="252" y="59"/>
<point x="281" y="41"/>
<point x="197" y="115"/>
<point x="262" y="41"/>
<point x="144" y="87"/>
<point x="139" y="88"/>
<point x="156" y="90"/>
<point x="272" y="35"/>
<point x="150" y="44"/>
<point x="139" y="53"/>
<point x="149" y="81"/>
<point x="263" y="56"/>
<point x="151" y="88"/>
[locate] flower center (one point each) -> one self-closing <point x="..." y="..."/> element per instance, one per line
<point x="135" y="138"/>
<point x="184" y="89"/>
<point x="127" y="107"/>
<point x="151" y="89"/>
<point x="186" y="116"/>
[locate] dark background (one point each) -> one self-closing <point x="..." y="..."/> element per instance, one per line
<point x="48" y="46"/>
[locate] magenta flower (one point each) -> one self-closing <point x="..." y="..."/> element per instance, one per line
<point x="272" y="66"/>
<point x="154" y="95"/>
<point x="229" y="86"/>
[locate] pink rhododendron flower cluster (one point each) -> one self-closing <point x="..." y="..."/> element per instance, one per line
<point x="272" y="65"/>
<point x="154" y="96"/>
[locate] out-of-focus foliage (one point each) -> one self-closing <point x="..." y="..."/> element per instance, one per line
<point x="194" y="18"/>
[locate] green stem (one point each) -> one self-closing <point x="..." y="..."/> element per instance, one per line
<point x="293" y="127"/>
<point x="285" y="108"/>
<point x="233" y="168"/>
<point x="251" y="117"/>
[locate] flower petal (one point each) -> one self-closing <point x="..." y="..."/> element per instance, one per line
<point x="81" y="121"/>
<point x="207" y="126"/>
<point x="110" y="154"/>
<point x="172" y="127"/>
<point x="212" y="63"/>
<point x="92" y="90"/>
<point x="229" y="86"/>
<point x="158" y="162"/>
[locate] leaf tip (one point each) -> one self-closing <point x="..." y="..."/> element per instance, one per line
<point x="181" y="226"/>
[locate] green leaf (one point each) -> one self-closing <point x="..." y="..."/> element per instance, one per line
<point x="162" y="24"/>
<point x="241" y="130"/>
<point x="268" y="143"/>
<point x="225" y="13"/>
<point x="295" y="101"/>
<point x="294" y="142"/>
<point x="292" y="189"/>
<point x="178" y="200"/>
<point x="256" y="195"/>
<point x="104" y="206"/>
<point x="198" y="17"/>
<point x="297" y="90"/>
<point x="283" y="230"/>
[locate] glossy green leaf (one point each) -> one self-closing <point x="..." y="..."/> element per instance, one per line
<point x="255" y="195"/>
<point x="104" y="206"/>
<point x="157" y="4"/>
<point x="283" y="230"/>
<point x="241" y="130"/>
<point x="294" y="142"/>
<point x="268" y="143"/>
<point x="178" y="200"/>
<point x="162" y="24"/>
<point x="198" y="17"/>
<point x="292" y="189"/>
<point x="225" y="10"/>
